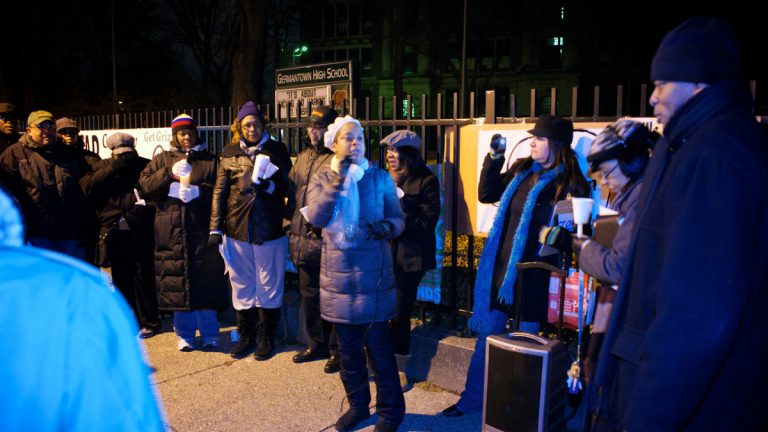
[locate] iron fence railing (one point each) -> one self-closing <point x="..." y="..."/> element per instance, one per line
<point x="433" y="120"/>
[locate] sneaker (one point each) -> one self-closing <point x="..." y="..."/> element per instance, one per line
<point x="185" y="345"/>
<point x="146" y="332"/>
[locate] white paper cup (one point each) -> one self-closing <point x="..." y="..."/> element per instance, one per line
<point x="582" y="210"/>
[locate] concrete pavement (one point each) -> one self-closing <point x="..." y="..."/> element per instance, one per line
<point x="209" y="391"/>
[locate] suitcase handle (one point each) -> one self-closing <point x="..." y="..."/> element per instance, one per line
<point x="530" y="336"/>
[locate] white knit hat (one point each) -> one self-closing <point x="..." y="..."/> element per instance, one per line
<point x="334" y="127"/>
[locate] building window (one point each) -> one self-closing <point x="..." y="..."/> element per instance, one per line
<point x="552" y="54"/>
<point x="366" y="59"/>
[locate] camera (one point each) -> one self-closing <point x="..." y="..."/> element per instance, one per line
<point x="498" y="143"/>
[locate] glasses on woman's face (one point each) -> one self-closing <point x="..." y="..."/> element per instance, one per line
<point x="392" y="150"/>
<point x="604" y="175"/>
<point x="250" y="125"/>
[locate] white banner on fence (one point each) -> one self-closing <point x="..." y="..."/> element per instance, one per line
<point x="149" y="142"/>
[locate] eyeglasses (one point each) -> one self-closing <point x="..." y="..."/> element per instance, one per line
<point x="391" y="149"/>
<point x="247" y="126"/>
<point x="604" y="175"/>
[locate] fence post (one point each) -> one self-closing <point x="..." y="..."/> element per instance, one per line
<point x="619" y="100"/>
<point x="574" y="101"/>
<point x="553" y="101"/>
<point x="596" y="112"/>
<point x="490" y="106"/>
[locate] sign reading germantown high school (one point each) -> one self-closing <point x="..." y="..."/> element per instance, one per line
<point x="318" y="84"/>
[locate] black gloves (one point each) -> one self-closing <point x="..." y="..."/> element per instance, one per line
<point x="263" y="185"/>
<point x="498" y="144"/>
<point x="556" y="237"/>
<point x="119" y="164"/>
<point x="214" y="240"/>
<point x="380" y="230"/>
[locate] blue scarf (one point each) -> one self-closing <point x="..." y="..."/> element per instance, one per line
<point x="480" y="321"/>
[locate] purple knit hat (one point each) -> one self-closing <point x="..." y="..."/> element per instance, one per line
<point x="250" y="108"/>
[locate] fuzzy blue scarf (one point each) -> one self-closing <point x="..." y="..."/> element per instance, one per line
<point x="480" y="321"/>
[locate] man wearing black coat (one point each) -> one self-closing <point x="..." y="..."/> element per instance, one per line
<point x="125" y="230"/>
<point x="305" y="243"/>
<point x="686" y="345"/>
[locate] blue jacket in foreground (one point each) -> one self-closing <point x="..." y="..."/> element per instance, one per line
<point x="71" y="360"/>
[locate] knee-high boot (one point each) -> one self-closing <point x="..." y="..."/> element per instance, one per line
<point x="246" y="327"/>
<point x="267" y="326"/>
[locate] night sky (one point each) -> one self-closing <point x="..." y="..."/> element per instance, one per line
<point x="58" y="55"/>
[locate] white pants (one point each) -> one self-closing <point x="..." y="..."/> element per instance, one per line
<point x="256" y="272"/>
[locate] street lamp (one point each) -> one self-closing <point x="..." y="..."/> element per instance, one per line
<point x="298" y="51"/>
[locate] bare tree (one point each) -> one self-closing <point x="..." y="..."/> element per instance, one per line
<point x="208" y="28"/>
<point x="249" y="53"/>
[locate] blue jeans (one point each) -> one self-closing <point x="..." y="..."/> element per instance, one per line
<point x="471" y="400"/>
<point x="377" y="339"/>
<point x="72" y="248"/>
<point x="186" y="324"/>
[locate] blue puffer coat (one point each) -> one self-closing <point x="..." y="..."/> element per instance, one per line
<point x="357" y="285"/>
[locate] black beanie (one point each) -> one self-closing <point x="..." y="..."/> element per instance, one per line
<point x="700" y="50"/>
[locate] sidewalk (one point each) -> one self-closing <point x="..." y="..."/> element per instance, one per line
<point x="212" y="392"/>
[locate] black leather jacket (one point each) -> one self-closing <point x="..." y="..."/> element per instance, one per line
<point x="239" y="211"/>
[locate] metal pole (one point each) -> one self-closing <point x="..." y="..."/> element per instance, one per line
<point x="463" y="60"/>
<point x="114" y="66"/>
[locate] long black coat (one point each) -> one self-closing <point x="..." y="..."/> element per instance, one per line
<point x="189" y="273"/>
<point x="687" y="343"/>
<point x="414" y="250"/>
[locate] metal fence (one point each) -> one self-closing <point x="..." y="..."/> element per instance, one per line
<point x="426" y="117"/>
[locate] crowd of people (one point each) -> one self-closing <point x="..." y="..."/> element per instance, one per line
<point x="183" y="230"/>
<point x="682" y="286"/>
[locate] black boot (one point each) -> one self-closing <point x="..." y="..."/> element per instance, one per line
<point x="267" y="327"/>
<point x="246" y="328"/>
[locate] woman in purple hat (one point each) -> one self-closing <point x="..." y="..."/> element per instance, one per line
<point x="246" y="221"/>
